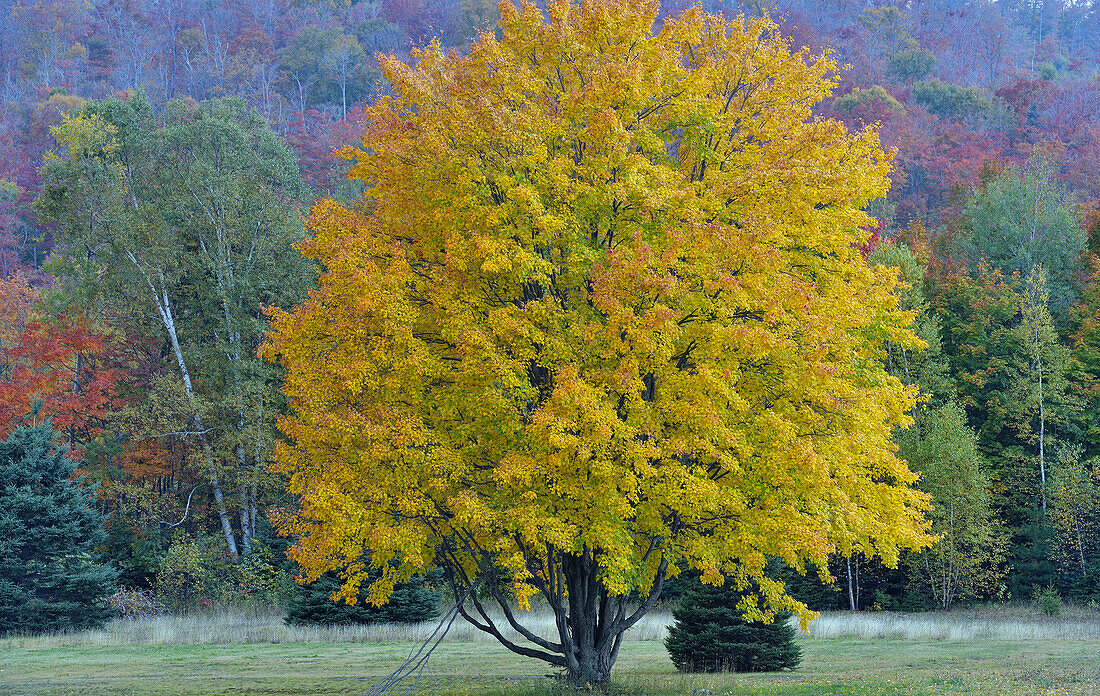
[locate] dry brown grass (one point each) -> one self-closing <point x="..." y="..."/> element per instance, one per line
<point x="234" y="626"/>
<point x="1011" y="623"/>
<point x="994" y="622"/>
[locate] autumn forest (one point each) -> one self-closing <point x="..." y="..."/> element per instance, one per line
<point x="804" y="294"/>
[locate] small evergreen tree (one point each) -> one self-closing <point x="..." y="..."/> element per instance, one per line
<point x="410" y="602"/>
<point x="48" y="529"/>
<point x="710" y="634"/>
<point x="1032" y="568"/>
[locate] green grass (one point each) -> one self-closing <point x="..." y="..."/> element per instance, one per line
<point x="834" y="666"/>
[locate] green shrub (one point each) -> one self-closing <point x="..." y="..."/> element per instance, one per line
<point x="261" y="579"/>
<point x="870" y="98"/>
<point x="710" y="634"/>
<point x="911" y="64"/>
<point x="1049" y="602"/>
<point x="411" y="602"/>
<point x="133" y="604"/>
<point x="195" y="572"/>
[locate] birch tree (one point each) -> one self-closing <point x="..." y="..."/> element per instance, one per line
<point x="1042" y="379"/>
<point x="1024" y="219"/>
<point x="1075" y="517"/>
<point x="968" y="555"/>
<point x="193" y="218"/>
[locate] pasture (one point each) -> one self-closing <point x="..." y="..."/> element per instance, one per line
<point x="992" y="652"/>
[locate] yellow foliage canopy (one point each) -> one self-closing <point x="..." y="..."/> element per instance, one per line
<point x="602" y="300"/>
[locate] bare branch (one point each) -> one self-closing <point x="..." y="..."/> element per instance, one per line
<point x="186" y="510"/>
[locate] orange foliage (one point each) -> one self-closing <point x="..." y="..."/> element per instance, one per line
<point x="57" y="360"/>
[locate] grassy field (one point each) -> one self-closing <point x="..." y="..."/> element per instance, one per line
<point x="990" y="656"/>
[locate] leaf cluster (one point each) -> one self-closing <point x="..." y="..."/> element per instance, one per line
<point x="606" y="304"/>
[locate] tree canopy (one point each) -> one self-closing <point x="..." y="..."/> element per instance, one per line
<point x="601" y="315"/>
<point x="1023" y="219"/>
<point x="189" y="218"/>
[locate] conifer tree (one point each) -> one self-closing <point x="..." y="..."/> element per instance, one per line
<point x="48" y="529"/>
<point x="711" y="634"/>
<point x="412" y="601"/>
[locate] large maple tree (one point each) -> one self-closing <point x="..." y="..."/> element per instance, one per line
<point x="601" y="316"/>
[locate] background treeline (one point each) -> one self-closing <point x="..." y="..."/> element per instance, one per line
<point x="157" y="158"/>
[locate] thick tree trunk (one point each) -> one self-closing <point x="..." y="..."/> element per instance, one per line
<point x="590" y="622"/>
<point x="593" y="667"/>
<point x="596" y="622"/>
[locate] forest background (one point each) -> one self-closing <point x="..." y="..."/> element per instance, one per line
<point x="135" y="319"/>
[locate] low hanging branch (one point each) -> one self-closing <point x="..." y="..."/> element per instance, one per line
<point x="417" y="660"/>
<point x="590" y="621"/>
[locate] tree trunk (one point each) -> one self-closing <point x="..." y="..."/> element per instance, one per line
<point x="590" y="622"/>
<point x="253" y="500"/>
<point x="1042" y="436"/>
<point x="246" y="518"/>
<point x="853" y="596"/>
<point x="949" y="558"/>
<point x="596" y="621"/>
<point x="165" y="309"/>
<point x="1080" y="547"/>
<point x="592" y="667"/>
<point x="933" y="577"/>
<point x="219" y="257"/>
<point x="244" y="476"/>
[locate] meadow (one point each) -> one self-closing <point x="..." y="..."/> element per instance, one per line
<point x="983" y="652"/>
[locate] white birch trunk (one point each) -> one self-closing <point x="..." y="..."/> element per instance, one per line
<point x="1042" y="437"/>
<point x="164" y="309"/>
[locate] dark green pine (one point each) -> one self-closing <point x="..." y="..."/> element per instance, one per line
<point x="710" y="634"/>
<point x="49" y="527"/>
<point x="410" y="602"/>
